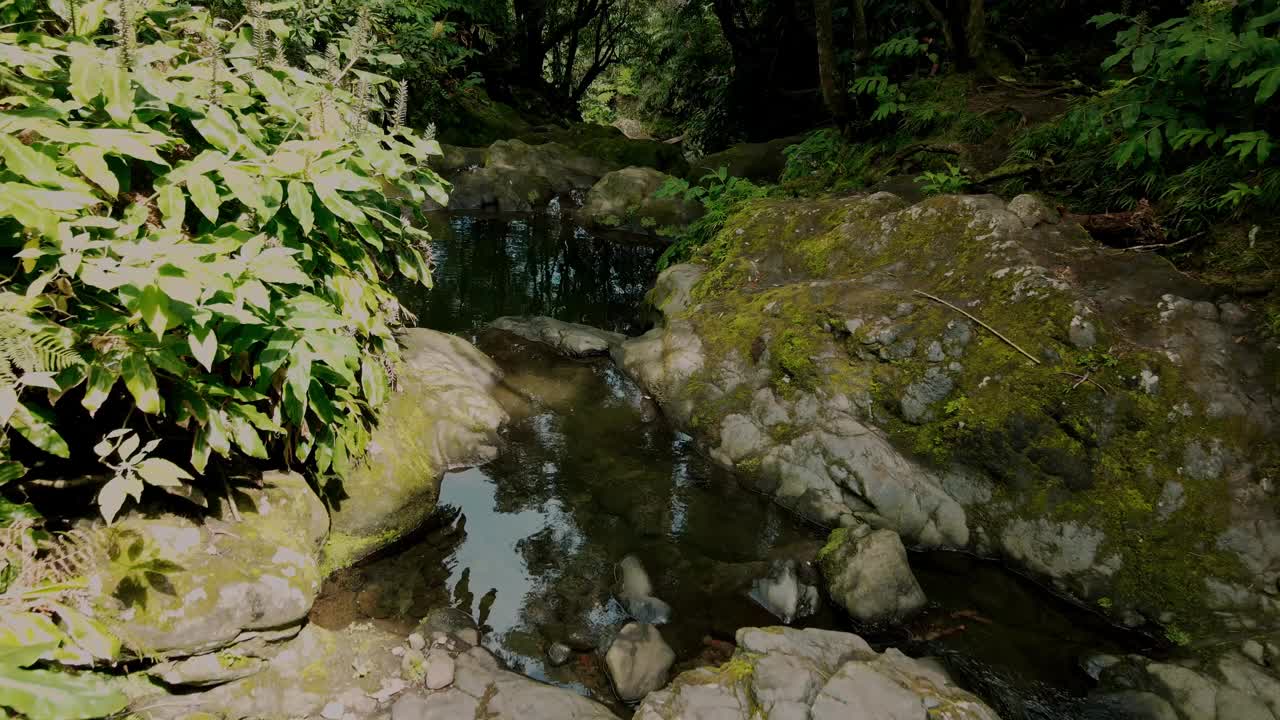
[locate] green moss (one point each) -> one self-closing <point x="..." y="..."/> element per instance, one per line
<point x="342" y="550"/>
<point x="834" y="541"/>
<point x="1096" y="451"/>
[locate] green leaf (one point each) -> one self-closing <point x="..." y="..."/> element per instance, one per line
<point x="326" y="188"/>
<point x="373" y="380"/>
<point x="1155" y="146"/>
<point x="142" y="383"/>
<point x="48" y="695"/>
<point x="101" y="379"/>
<point x="243" y="432"/>
<point x="154" y="306"/>
<point x="297" y="381"/>
<point x="173" y="206"/>
<point x="222" y="131"/>
<point x="88" y="634"/>
<point x="35" y="166"/>
<point x="162" y="473"/>
<point x="205" y="196"/>
<point x="92" y="163"/>
<point x="86" y="76"/>
<point x="112" y="495"/>
<point x="245" y="188"/>
<point x="36" y="425"/>
<point x="204" y="346"/>
<point x="119" y="92"/>
<point x="300" y="206"/>
<point x="1142" y="57"/>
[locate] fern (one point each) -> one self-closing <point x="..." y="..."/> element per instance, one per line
<point x="30" y="345"/>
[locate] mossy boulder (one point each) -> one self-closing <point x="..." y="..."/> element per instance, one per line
<point x="443" y="417"/>
<point x="1114" y="438"/>
<point x="476" y="120"/>
<point x="625" y="199"/>
<point x="519" y="177"/>
<point x="609" y="144"/>
<point x="781" y="672"/>
<point x="174" y="586"/>
<point x="759" y="162"/>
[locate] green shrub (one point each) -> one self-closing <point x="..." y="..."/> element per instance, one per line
<point x="1189" y="118"/>
<point x="199" y="235"/>
<point x="721" y="195"/>
<point x="954" y="180"/>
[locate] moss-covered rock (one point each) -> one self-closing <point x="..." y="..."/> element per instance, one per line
<point x="759" y="162"/>
<point x="477" y="120"/>
<point x="609" y="144"/>
<point x="519" y="177"/>
<point x="975" y="375"/>
<point x="625" y="199"/>
<point x="175" y="586"/>
<point x="443" y="417"/>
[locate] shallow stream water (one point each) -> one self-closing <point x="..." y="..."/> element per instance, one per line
<point x="591" y="473"/>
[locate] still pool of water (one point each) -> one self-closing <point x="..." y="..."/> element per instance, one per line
<point x="591" y="473"/>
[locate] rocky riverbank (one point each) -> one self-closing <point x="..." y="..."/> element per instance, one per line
<point x="978" y="375"/>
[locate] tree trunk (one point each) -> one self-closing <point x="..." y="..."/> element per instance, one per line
<point x="964" y="28"/>
<point x="861" y="37"/>
<point x="828" y="74"/>
<point x="976" y="30"/>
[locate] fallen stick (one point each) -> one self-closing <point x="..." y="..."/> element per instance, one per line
<point x="969" y="315"/>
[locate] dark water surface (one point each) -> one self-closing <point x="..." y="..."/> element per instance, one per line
<point x="592" y="473"/>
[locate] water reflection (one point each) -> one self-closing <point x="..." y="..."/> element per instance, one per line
<point x="490" y="265"/>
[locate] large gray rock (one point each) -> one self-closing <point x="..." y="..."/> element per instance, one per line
<point x="638" y="661"/>
<point x="626" y="199"/>
<point x="828" y="358"/>
<point x="230" y="580"/>
<point x="867" y="574"/>
<point x="444" y="417"/>
<point x="813" y="675"/>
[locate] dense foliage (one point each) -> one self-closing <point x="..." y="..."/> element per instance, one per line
<point x="202" y="232"/>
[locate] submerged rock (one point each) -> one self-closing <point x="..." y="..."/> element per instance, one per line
<point x="626" y="199"/>
<point x="808" y="361"/>
<point x="813" y="675"/>
<point x="636" y="593"/>
<point x="444" y="417"/>
<point x="784" y="593"/>
<point x="868" y="575"/>
<point x="638" y="661"/>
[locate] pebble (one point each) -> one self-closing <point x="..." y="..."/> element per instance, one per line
<point x="333" y="711"/>
<point x="559" y="654"/>
<point x="416" y="641"/>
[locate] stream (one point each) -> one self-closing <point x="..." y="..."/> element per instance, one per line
<point x="591" y="473"/>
